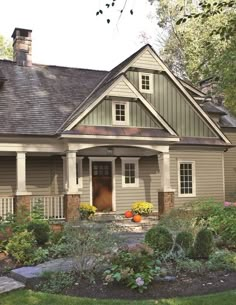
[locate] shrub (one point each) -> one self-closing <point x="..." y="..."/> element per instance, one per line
<point x="21" y="247"/>
<point x="40" y="255"/>
<point x="40" y="229"/>
<point x="90" y="247"/>
<point x="87" y="211"/>
<point x="222" y="260"/>
<point x="204" y="244"/>
<point x="56" y="282"/>
<point x="142" y="208"/>
<point x="185" y="241"/>
<point x="135" y="267"/>
<point x="189" y="265"/>
<point x="159" y="238"/>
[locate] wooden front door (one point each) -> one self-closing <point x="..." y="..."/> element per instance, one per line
<point x="102" y="185"/>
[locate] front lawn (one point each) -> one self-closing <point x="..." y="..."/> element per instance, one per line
<point x="28" y="297"/>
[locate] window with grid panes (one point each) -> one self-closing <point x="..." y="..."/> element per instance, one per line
<point x="186" y="178"/>
<point x="146" y="82"/>
<point x="129" y="173"/>
<point x="120" y="113"/>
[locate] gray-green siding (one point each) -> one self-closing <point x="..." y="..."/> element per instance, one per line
<point x="102" y="115"/>
<point x="173" y="106"/>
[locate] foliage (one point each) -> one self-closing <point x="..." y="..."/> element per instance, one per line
<point x="203" y="245"/>
<point x="159" y="238"/>
<point x="135" y="267"/>
<point x="29" y="297"/>
<point x="87" y="210"/>
<point x="222" y="260"/>
<point x="190" y="265"/>
<point x="21" y="247"/>
<point x="40" y="255"/>
<point x="56" y="282"/>
<point x="184" y="239"/>
<point x="5" y="48"/>
<point x="142" y="208"/>
<point x="192" y="52"/>
<point x="40" y="229"/>
<point x="89" y="246"/>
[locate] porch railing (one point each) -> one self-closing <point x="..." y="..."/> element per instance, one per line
<point x="6" y="207"/>
<point x="52" y="206"/>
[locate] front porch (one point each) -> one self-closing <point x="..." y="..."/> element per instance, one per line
<point x="107" y="176"/>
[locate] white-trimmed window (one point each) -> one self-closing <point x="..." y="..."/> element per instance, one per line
<point x="120" y="113"/>
<point x="186" y="179"/>
<point x="146" y="82"/>
<point x="130" y="172"/>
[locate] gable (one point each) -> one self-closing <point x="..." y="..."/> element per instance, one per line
<point x="146" y="61"/>
<point x="171" y="103"/>
<point x="101" y="115"/>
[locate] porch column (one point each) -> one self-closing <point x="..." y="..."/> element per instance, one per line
<point x="166" y="193"/>
<point x="22" y="199"/>
<point x="71" y="197"/>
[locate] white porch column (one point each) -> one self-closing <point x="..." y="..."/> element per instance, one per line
<point x="164" y="163"/>
<point x="72" y="187"/>
<point x="21" y="174"/>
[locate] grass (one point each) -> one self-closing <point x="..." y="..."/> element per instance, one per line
<point x="28" y="297"/>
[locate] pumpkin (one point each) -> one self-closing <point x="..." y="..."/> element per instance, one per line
<point x="137" y="218"/>
<point x="128" y="214"/>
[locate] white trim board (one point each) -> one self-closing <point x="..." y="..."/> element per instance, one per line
<point x="103" y="159"/>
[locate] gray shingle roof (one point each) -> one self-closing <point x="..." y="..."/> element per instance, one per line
<point x="37" y="100"/>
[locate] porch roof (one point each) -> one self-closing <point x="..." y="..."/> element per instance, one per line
<point x="119" y="131"/>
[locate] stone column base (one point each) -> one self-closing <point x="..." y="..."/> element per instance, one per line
<point x="165" y="202"/>
<point x="71" y="207"/>
<point x="22" y="207"/>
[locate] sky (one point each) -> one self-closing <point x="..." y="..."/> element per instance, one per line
<point x="68" y="32"/>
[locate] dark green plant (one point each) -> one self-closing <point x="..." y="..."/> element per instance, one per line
<point x="56" y="282"/>
<point x="21" y="247"/>
<point x="135" y="267"/>
<point x="40" y="229"/>
<point x="222" y="260"/>
<point x="159" y="238"/>
<point x="41" y="255"/>
<point x="184" y="240"/>
<point x="204" y="244"/>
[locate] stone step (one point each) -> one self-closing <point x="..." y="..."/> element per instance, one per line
<point x="8" y="284"/>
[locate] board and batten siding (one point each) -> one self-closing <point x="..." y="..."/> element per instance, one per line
<point x="173" y="106"/>
<point x="101" y="115"/>
<point x="149" y="183"/>
<point x="230" y="169"/>
<point x="209" y="167"/>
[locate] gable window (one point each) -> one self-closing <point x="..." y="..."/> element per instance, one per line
<point x="120" y="113"/>
<point x="186" y="179"/>
<point x="146" y="82"/>
<point x="130" y="172"/>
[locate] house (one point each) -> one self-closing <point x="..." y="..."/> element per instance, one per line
<point x="110" y="138"/>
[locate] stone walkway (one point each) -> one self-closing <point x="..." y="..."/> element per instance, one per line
<point x="8" y="284"/>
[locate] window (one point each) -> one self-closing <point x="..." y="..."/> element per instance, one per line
<point x="187" y="186"/>
<point x="130" y="172"/>
<point x="120" y="113"/>
<point x="146" y="82"/>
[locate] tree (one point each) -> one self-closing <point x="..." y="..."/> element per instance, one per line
<point x="195" y="49"/>
<point x="5" y="48"/>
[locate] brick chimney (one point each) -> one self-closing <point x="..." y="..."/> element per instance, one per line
<point x="22" y="47"/>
